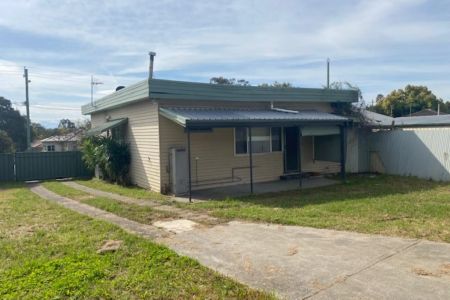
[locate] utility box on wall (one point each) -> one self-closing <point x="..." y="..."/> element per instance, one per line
<point x="179" y="171"/>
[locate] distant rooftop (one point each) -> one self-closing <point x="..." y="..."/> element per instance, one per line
<point x="427" y="112"/>
<point x="193" y="91"/>
<point x="70" y="137"/>
<point x="379" y="120"/>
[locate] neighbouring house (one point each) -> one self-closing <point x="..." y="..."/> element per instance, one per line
<point x="61" y="143"/>
<point x="36" y="146"/>
<point x="187" y="136"/>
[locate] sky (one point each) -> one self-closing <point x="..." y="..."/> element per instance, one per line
<point x="378" y="46"/>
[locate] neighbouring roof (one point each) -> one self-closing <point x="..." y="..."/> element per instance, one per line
<point x="379" y="120"/>
<point x="426" y="112"/>
<point x="223" y="117"/>
<point x="181" y="90"/>
<point x="106" y="126"/>
<point x="70" y="137"/>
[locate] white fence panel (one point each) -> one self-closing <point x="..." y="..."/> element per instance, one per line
<point x="421" y="152"/>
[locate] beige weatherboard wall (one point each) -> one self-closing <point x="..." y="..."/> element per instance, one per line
<point x="151" y="135"/>
<point x="142" y="134"/>
<point x="213" y="159"/>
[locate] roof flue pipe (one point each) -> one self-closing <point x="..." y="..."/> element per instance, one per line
<point x="152" y="59"/>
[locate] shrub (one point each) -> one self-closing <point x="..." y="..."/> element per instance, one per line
<point x="111" y="156"/>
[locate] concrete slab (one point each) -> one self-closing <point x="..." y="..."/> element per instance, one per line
<point x="300" y="263"/>
<point x="260" y="188"/>
<point x="176" y="226"/>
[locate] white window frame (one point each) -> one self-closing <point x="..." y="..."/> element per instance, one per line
<point x="51" y="147"/>
<point x="248" y="142"/>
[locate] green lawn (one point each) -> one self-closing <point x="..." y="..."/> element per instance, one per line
<point x="131" y="191"/>
<point x="49" y="252"/>
<point x="390" y="205"/>
<point x="141" y="214"/>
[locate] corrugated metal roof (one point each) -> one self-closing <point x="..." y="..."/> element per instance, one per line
<point x="70" y="137"/>
<point x="441" y="120"/>
<point x="237" y="117"/>
<point x="106" y="126"/>
<point x="379" y="120"/>
<point x="181" y="90"/>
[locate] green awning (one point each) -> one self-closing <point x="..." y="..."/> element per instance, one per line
<point x="106" y="126"/>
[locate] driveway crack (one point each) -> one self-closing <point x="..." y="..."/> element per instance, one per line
<point x="367" y="267"/>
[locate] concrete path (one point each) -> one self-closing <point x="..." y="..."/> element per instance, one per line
<point x="239" y="190"/>
<point x="133" y="227"/>
<point x="303" y="263"/>
<point x="158" y="205"/>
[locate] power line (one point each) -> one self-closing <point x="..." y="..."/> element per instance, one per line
<point x="38" y="106"/>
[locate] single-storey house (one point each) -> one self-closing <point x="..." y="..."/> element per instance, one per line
<point x="187" y="136"/>
<point x="61" y="143"/>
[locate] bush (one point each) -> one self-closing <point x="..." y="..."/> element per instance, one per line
<point x="111" y="156"/>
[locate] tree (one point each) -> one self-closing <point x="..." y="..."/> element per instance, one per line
<point x="411" y="99"/>
<point x="84" y="124"/>
<point x="347" y="108"/>
<point x="39" y="132"/>
<point x="276" y="84"/>
<point x="228" y="81"/>
<point x="13" y="124"/>
<point x="65" y="125"/>
<point x="6" y="143"/>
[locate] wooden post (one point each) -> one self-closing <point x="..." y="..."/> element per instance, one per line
<point x="189" y="163"/>
<point x="343" y="135"/>
<point x="250" y="152"/>
<point x="299" y="157"/>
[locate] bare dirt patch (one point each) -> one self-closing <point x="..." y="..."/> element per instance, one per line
<point x="110" y="246"/>
<point x="443" y="270"/>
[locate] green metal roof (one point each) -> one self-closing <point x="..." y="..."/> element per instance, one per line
<point x="181" y="90"/>
<point x="106" y="126"/>
<point x="194" y="117"/>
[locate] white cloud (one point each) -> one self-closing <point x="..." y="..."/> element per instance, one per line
<point x="377" y="45"/>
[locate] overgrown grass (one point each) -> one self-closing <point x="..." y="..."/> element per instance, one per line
<point x="130" y="191"/>
<point x="389" y="205"/>
<point x="49" y="252"/>
<point x="141" y="214"/>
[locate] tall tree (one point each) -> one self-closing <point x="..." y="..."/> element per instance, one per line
<point x="65" y="126"/>
<point x="13" y="124"/>
<point x="228" y="81"/>
<point x="6" y="143"/>
<point x="277" y="84"/>
<point x="411" y="99"/>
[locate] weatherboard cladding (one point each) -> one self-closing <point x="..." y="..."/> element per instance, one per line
<point x="179" y="90"/>
<point x="184" y="116"/>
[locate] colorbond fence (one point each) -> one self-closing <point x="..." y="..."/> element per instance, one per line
<point x="24" y="166"/>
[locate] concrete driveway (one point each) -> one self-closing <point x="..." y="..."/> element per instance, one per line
<point x="301" y="263"/>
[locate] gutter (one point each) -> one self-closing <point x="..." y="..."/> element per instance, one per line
<point x="282" y="109"/>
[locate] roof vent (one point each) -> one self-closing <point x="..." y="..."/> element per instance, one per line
<point x="119" y="88"/>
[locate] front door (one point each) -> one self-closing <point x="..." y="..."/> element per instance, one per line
<point x="291" y="148"/>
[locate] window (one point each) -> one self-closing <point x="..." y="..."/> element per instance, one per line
<point x="261" y="140"/>
<point x="264" y="140"/>
<point x="240" y="136"/>
<point x="51" y="148"/>
<point x="118" y="133"/>
<point x="276" y="139"/>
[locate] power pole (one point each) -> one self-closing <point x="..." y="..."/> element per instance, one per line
<point x="27" y="104"/>
<point x="328" y="73"/>
<point x="92" y="88"/>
